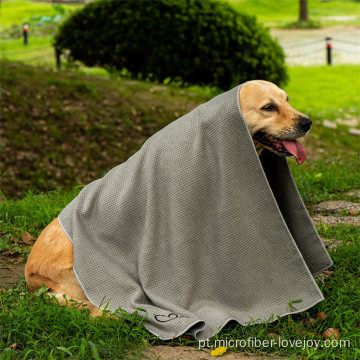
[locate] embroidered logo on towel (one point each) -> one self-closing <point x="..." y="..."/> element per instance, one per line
<point x="166" y="318"/>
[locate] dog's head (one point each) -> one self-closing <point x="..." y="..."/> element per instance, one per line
<point x="272" y="122"/>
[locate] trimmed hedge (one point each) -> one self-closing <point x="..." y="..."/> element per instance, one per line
<point x="191" y="41"/>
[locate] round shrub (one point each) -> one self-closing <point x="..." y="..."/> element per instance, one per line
<point x="190" y="41"/>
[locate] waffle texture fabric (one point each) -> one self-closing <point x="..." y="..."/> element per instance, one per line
<point x="196" y="230"/>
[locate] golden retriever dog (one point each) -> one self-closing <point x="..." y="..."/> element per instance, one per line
<point x="272" y="123"/>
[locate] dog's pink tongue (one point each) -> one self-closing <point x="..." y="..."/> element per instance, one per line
<point x="297" y="149"/>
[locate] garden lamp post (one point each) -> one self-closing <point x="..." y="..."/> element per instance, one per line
<point x="329" y="50"/>
<point x="25" y="32"/>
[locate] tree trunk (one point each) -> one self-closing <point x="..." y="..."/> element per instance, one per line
<point x="304" y="15"/>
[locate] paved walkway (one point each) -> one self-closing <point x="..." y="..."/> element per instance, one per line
<point x="308" y="47"/>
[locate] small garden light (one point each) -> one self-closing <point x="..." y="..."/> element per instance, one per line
<point x="329" y="50"/>
<point x="25" y="32"/>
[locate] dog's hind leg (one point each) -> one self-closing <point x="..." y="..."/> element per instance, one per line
<point x="51" y="263"/>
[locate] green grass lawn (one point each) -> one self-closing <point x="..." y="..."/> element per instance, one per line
<point x="276" y="13"/>
<point x="281" y="12"/>
<point x="325" y="92"/>
<point x="16" y="12"/>
<point x="38" y="51"/>
<point x="43" y="19"/>
<point x="43" y="330"/>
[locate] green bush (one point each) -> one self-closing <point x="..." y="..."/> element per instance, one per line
<point x="190" y="41"/>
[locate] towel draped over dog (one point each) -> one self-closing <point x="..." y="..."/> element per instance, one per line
<point x="195" y="229"/>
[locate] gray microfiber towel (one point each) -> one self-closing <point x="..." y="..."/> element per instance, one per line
<point x="195" y="229"/>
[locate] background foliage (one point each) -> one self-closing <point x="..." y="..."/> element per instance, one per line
<point x="191" y="42"/>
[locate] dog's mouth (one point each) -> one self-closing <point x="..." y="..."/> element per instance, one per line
<point x="283" y="147"/>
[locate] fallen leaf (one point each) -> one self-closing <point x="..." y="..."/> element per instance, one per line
<point x="321" y="316"/>
<point x="27" y="238"/>
<point x="328" y="272"/>
<point x="331" y="334"/>
<point x="11" y="253"/>
<point x="353" y="212"/>
<point x="218" y="351"/>
<point x="274" y="335"/>
<point x="187" y="337"/>
<point x="13" y="346"/>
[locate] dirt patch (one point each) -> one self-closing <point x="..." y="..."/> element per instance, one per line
<point x="332" y="244"/>
<point x="337" y="207"/>
<point x="335" y="220"/>
<point x="10" y="273"/>
<point x="328" y="212"/>
<point x="163" y="352"/>
<point x="354" y="193"/>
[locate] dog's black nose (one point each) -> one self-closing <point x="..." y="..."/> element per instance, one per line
<point x="304" y="123"/>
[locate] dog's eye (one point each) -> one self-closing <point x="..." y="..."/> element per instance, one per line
<point x="269" y="107"/>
